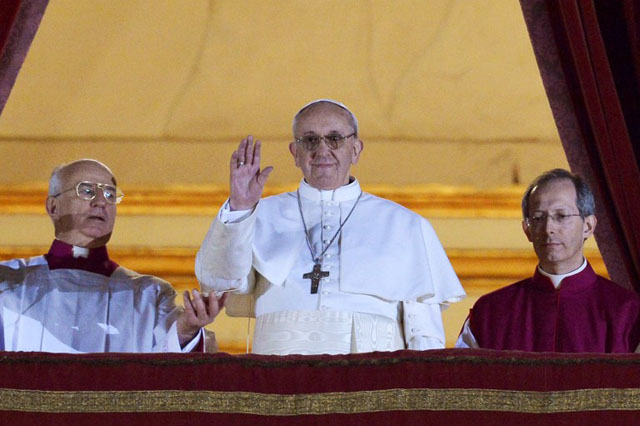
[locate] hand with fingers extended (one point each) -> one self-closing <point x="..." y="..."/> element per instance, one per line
<point x="198" y="312"/>
<point x="247" y="180"/>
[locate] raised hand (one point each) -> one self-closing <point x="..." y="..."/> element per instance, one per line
<point x="198" y="312"/>
<point x="247" y="180"/>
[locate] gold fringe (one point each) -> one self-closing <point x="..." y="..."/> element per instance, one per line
<point x="320" y="403"/>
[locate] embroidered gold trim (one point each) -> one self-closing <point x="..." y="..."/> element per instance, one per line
<point x="319" y="403"/>
<point x="427" y="200"/>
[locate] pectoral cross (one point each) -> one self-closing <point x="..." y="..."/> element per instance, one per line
<point x="315" y="276"/>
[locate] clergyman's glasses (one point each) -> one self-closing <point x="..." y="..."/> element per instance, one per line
<point x="88" y="190"/>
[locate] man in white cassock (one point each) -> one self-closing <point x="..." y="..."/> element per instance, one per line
<point x="328" y="268"/>
<point x="75" y="299"/>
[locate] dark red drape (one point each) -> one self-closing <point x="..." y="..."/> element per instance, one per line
<point x="587" y="52"/>
<point x="19" y="21"/>
<point x="8" y="12"/>
<point x="438" y="387"/>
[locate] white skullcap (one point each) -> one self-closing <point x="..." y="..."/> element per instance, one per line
<point x="329" y="101"/>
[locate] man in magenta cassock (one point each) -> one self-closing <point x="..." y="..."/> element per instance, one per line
<point x="565" y="306"/>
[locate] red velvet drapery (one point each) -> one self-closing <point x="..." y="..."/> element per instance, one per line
<point x="8" y="12"/>
<point x="19" y="21"/>
<point x="587" y="52"/>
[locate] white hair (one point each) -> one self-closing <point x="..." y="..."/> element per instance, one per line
<point x="57" y="175"/>
<point x="354" y="120"/>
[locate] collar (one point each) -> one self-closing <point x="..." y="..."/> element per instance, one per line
<point x="350" y="191"/>
<point x="65" y="256"/>
<point x="556" y="279"/>
<point x="574" y="282"/>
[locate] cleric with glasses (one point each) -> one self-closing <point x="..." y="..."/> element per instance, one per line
<point x="539" y="219"/>
<point x="89" y="190"/>
<point x="77" y="299"/>
<point x="326" y="268"/>
<point x="565" y="306"/>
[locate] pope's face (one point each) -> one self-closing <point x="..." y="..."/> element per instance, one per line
<point x="325" y="168"/>
<point x="558" y="244"/>
<point x="84" y="223"/>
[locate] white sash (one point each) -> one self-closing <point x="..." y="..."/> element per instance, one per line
<point x="325" y="332"/>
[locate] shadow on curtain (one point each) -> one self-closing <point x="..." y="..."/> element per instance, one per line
<point x="588" y="55"/>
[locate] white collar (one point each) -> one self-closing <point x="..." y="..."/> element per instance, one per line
<point x="556" y="279"/>
<point x="350" y="191"/>
<point x="80" y="251"/>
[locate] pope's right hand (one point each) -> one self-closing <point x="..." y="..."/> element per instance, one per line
<point x="246" y="179"/>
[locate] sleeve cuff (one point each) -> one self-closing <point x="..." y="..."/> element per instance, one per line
<point x="423" y="343"/>
<point x="423" y="328"/>
<point x="173" y="343"/>
<point x="466" y="339"/>
<point x="235" y="216"/>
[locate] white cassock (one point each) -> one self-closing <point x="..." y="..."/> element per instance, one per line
<point x="389" y="277"/>
<point x="75" y="311"/>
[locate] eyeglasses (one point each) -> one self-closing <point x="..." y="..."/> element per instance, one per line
<point x="559" y="218"/>
<point x="88" y="191"/>
<point x="312" y="142"/>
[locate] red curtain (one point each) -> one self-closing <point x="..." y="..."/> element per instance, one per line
<point x="19" y="21"/>
<point x="8" y="12"/>
<point x="588" y="55"/>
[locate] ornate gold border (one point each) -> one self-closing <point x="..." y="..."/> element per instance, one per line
<point x="607" y="399"/>
<point x="427" y="200"/>
<point x="480" y="268"/>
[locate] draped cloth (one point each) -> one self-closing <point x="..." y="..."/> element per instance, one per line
<point x="19" y="21"/>
<point x="8" y="13"/>
<point x="386" y="250"/>
<point x="588" y="53"/>
<point x="439" y="387"/>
